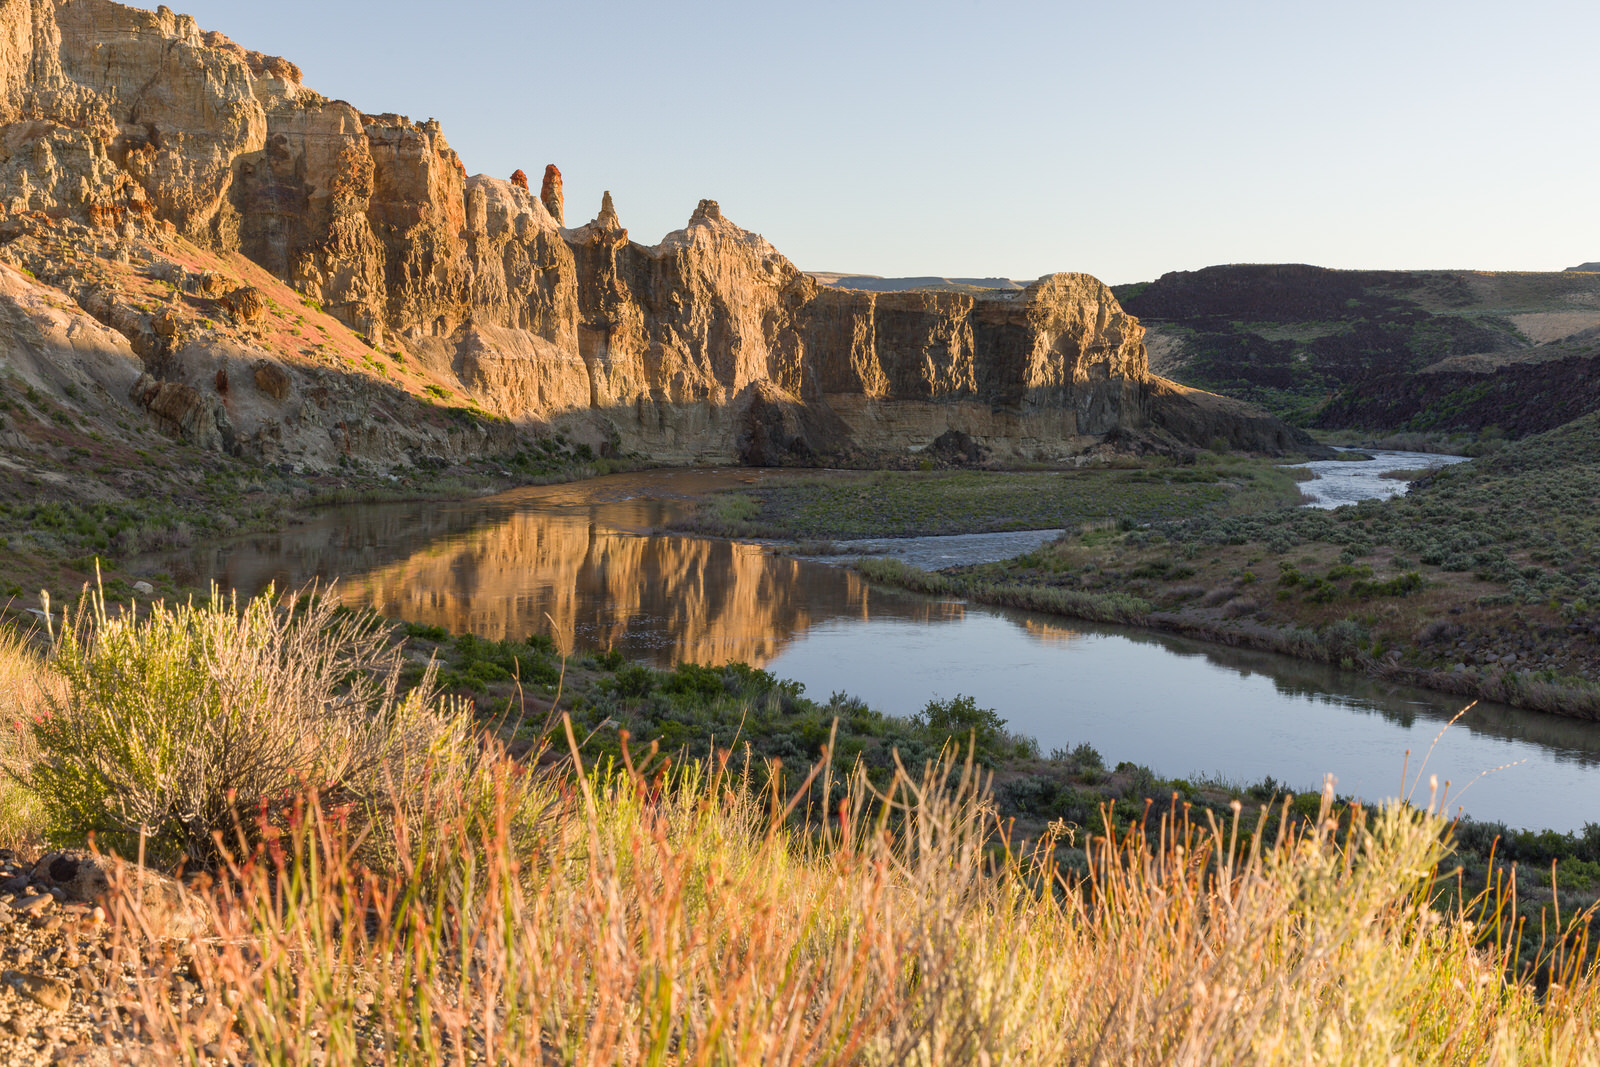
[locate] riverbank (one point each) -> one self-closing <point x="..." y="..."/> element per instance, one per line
<point x="1479" y="582"/>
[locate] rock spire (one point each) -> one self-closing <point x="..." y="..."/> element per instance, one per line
<point x="550" y="193"/>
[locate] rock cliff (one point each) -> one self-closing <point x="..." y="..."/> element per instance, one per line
<point x="292" y="278"/>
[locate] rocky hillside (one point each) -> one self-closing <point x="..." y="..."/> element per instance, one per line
<point x="194" y="240"/>
<point x="1382" y="350"/>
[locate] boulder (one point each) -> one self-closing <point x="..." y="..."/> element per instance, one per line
<point x="245" y="304"/>
<point x="958" y="448"/>
<point x="271" y="379"/>
<point x="180" y="410"/>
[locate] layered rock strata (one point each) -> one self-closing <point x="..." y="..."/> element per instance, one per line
<point x="181" y="155"/>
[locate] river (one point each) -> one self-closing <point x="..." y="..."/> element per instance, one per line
<point x="581" y="562"/>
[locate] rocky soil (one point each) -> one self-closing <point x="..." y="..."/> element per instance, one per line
<point x="67" y="994"/>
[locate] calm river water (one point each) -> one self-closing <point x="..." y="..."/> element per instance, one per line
<point x="580" y="562"/>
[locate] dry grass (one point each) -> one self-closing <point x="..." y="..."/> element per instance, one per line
<point x="635" y="919"/>
<point x="26" y="689"/>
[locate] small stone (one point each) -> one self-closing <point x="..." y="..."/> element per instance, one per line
<point x="52" y="994"/>
<point x="34" y="905"/>
<point x="143" y="588"/>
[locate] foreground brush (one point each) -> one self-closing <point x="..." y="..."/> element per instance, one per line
<point x="450" y="904"/>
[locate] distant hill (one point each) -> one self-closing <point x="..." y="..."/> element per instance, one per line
<point x="1585" y="268"/>
<point x="1449" y="350"/>
<point x="874" y="283"/>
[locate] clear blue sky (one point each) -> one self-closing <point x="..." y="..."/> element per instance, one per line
<point x="959" y="138"/>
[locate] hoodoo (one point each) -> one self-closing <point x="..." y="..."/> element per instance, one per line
<point x="550" y="193"/>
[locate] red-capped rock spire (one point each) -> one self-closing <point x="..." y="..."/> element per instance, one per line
<point x="550" y="193"/>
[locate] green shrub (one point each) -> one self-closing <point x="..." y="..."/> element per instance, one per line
<point x="1400" y="585"/>
<point x="959" y="720"/>
<point x="195" y="721"/>
<point x="1575" y="874"/>
<point x="1086" y="756"/>
<point x="634" y="680"/>
<point x="425" y="632"/>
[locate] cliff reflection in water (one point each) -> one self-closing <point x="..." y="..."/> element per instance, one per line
<point x="666" y="599"/>
<point x="547" y="562"/>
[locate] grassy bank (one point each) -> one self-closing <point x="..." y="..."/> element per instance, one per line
<point x="845" y="505"/>
<point x="1482" y="581"/>
<point x="794" y="886"/>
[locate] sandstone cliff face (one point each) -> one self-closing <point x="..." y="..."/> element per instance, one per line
<point x="168" y="147"/>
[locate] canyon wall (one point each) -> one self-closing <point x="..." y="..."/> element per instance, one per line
<point x="196" y="198"/>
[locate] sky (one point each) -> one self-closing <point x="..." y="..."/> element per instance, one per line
<point x="1008" y="139"/>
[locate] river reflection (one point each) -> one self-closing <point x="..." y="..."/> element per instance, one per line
<point x="579" y="562"/>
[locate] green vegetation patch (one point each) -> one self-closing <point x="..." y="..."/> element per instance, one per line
<point x="908" y="503"/>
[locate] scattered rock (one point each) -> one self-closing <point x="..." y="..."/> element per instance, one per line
<point x="245" y="304"/>
<point x="34" y="905"/>
<point x="50" y="993"/>
<point x="272" y="379"/>
<point x="143" y="588"/>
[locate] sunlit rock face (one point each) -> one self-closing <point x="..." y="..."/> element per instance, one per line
<point x="709" y="345"/>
